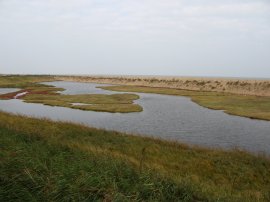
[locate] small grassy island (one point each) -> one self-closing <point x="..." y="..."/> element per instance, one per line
<point x="33" y="92"/>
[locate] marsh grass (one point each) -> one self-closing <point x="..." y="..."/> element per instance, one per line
<point x="95" y="102"/>
<point x="60" y="161"/>
<point x="257" y="107"/>
<point x="17" y="81"/>
<point x="49" y="95"/>
<point x="33" y="169"/>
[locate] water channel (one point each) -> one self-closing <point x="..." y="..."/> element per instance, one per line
<point x="168" y="117"/>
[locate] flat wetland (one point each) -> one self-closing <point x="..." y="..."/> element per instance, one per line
<point x="105" y="165"/>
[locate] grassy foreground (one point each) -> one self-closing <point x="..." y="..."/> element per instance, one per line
<point x="256" y="107"/>
<point x="49" y="95"/>
<point x="59" y="161"/>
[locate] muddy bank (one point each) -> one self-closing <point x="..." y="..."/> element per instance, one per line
<point x="235" y="86"/>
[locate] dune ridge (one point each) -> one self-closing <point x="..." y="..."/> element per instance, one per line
<point x="228" y="85"/>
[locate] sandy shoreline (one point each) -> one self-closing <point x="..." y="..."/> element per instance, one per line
<point x="258" y="87"/>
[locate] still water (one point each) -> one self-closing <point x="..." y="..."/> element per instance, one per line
<point x="8" y="90"/>
<point x="168" y="117"/>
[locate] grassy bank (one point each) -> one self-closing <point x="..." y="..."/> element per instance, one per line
<point x="61" y="162"/>
<point x="256" y="107"/>
<point x="49" y="95"/>
<point x="18" y="81"/>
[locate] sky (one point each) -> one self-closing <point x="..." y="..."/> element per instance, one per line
<point x="227" y="38"/>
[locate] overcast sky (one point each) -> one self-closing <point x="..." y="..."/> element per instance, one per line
<point x="136" y="37"/>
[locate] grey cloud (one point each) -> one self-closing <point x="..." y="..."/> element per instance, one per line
<point x="141" y="37"/>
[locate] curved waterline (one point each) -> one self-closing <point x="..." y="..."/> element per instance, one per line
<point x="167" y="117"/>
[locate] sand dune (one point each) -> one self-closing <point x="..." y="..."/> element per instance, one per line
<point x="228" y="85"/>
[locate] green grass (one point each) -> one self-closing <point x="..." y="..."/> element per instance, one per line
<point x="17" y="81"/>
<point x="49" y="95"/>
<point x="248" y="106"/>
<point x="95" y="102"/>
<point x="35" y="169"/>
<point x="55" y="161"/>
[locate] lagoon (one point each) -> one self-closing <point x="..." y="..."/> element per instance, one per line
<point x="168" y="117"/>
